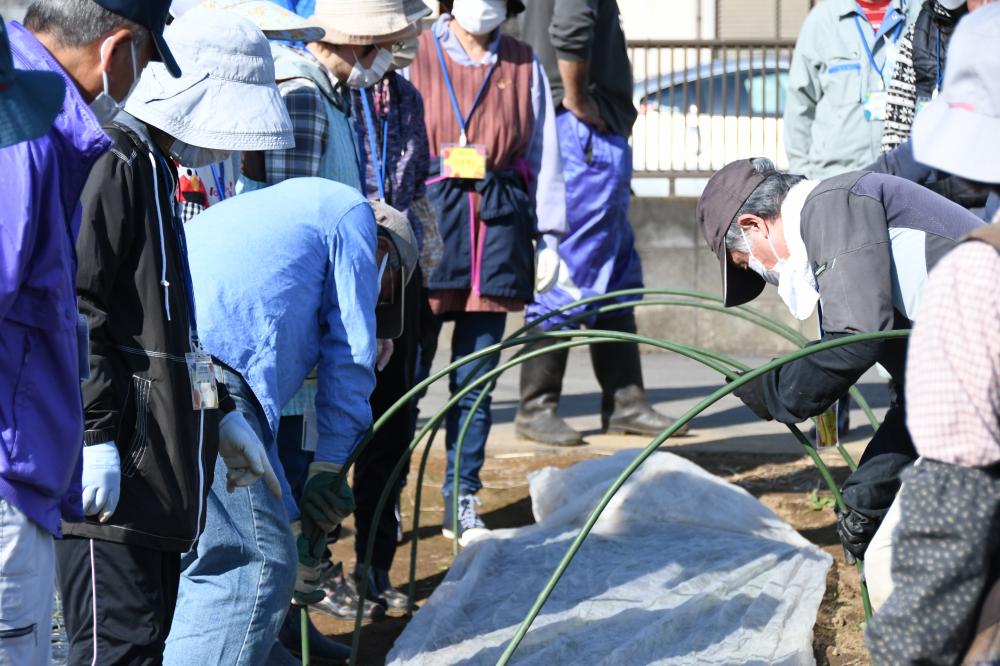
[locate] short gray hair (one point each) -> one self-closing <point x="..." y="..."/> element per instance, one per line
<point x="76" y="23"/>
<point x="764" y="202"/>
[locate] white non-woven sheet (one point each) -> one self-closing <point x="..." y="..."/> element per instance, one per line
<point x="682" y="568"/>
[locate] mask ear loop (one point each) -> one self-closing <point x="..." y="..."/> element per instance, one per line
<point x="104" y="69"/>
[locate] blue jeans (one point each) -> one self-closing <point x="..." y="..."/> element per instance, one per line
<point x="235" y="588"/>
<point x="473" y="331"/>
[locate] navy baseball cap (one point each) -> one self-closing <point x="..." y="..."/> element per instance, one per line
<point x="152" y="15"/>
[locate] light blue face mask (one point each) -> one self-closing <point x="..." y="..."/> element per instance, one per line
<point x="244" y="185"/>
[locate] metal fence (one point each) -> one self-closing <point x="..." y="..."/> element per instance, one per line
<point x="704" y="103"/>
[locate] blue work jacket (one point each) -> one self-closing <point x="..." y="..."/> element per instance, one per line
<point x="285" y="281"/>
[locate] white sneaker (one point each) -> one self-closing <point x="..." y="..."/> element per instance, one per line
<point x="470" y="525"/>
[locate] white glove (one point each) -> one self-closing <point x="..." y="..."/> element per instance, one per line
<point x="244" y="455"/>
<point x="383" y="352"/>
<point x="546" y="263"/>
<point x="102" y="479"/>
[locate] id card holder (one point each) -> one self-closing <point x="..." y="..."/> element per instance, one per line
<point x="204" y="389"/>
<point x="458" y="161"/>
<point x="83" y="346"/>
<point x="874" y="103"/>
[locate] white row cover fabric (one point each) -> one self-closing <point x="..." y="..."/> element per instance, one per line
<point x="682" y="568"/>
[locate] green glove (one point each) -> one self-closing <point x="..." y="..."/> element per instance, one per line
<point x="326" y="501"/>
<point x="308" y="588"/>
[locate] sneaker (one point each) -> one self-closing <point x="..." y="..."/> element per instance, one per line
<point x="380" y="590"/>
<point x="470" y="525"/>
<point x="341" y="600"/>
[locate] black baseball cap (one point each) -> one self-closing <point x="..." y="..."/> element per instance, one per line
<point x="724" y="195"/>
<point x="152" y="15"/>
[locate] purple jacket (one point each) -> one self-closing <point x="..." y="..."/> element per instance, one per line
<point x="41" y="413"/>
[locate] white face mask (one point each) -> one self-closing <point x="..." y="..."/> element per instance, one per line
<point x="196" y="156"/>
<point x="403" y="53"/>
<point x="365" y="77"/>
<point x="104" y="106"/>
<point x="772" y="275"/>
<point x="479" y="17"/>
<point x="795" y="281"/>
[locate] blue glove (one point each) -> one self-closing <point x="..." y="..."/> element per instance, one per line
<point x="102" y="478"/>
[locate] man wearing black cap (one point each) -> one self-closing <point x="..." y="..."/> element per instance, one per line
<point x="96" y="48"/>
<point x="860" y="246"/>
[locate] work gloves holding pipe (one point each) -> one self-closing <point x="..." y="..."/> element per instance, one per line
<point x="752" y="395"/>
<point x="326" y="500"/>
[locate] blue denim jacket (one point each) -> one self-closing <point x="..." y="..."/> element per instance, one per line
<point x="285" y="280"/>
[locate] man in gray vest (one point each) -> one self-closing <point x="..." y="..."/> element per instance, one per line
<point x="858" y="246"/>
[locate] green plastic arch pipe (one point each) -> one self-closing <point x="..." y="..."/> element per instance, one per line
<point x="655" y="444"/>
<point x="593" y="337"/>
<point x="590" y="337"/>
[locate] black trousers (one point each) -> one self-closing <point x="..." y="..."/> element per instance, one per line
<point x="134" y="591"/>
<point x="374" y="466"/>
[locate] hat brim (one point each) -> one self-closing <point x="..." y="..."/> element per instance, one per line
<point x="956" y="140"/>
<point x="334" y="36"/>
<point x="29" y="106"/>
<point x="739" y="286"/>
<point x="274" y="21"/>
<point x="255" y="116"/>
<point x="164" y="55"/>
<point x="389" y="317"/>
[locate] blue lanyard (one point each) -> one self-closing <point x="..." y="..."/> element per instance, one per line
<point x="220" y="181"/>
<point x="182" y="248"/>
<point x="868" y="49"/>
<point x="370" y="124"/>
<point x="463" y="121"/>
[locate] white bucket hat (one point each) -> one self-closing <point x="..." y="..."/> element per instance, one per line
<point x="356" y="23"/>
<point x="226" y="98"/>
<point x="959" y="130"/>
<point x="275" y="21"/>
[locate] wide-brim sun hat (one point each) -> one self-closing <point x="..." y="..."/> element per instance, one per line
<point x="29" y="101"/>
<point x="226" y="98"/>
<point x="416" y="10"/>
<point x="274" y="21"/>
<point x="959" y="130"/>
<point x="724" y="195"/>
<point x="354" y="23"/>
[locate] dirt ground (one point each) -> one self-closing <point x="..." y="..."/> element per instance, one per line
<point x="784" y="483"/>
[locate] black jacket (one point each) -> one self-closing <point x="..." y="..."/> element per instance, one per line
<point x="138" y="394"/>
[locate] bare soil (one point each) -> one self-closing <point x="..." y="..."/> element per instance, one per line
<point x="784" y="483"/>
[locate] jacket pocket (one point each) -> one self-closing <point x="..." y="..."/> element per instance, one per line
<point x="136" y="414"/>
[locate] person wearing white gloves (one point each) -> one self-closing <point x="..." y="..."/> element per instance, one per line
<point x="156" y="416"/>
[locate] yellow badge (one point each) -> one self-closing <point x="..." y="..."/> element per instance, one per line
<point x="459" y="161"/>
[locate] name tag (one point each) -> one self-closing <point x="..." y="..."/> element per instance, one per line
<point x="874" y="103"/>
<point x="204" y="390"/>
<point x="459" y="161"/>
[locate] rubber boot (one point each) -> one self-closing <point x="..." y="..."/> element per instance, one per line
<point x="624" y="405"/>
<point x="541" y="385"/>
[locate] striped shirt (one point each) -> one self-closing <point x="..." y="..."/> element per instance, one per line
<point x="953" y="365"/>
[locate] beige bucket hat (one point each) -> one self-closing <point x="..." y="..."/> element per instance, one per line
<point x="361" y="23"/>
